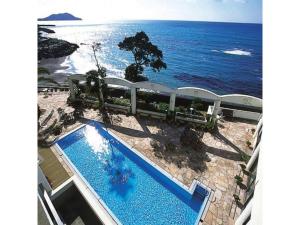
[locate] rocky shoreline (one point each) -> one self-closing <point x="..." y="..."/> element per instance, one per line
<point x="52" y="52"/>
<point x="55" y="48"/>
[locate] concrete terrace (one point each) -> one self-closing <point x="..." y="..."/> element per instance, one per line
<point x="217" y="171"/>
<point x="53" y="167"/>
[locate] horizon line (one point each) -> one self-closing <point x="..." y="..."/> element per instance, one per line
<point x="179" y="20"/>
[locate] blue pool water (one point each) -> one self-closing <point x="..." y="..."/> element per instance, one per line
<point x="134" y="191"/>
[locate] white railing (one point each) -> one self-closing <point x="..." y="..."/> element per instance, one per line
<point x="239" y="100"/>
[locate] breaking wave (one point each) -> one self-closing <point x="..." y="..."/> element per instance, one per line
<point x="237" y="52"/>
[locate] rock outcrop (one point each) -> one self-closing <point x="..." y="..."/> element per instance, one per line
<point x="54" y="48"/>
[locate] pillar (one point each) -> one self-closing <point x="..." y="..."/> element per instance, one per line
<point x="172" y="102"/>
<point x="253" y="157"/>
<point x="133" y="100"/>
<point x="217" y="104"/>
<point x="260" y="123"/>
<point x="245" y="214"/>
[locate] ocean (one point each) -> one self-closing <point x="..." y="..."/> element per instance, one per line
<point x="225" y="58"/>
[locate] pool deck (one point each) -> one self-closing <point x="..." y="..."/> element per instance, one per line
<point x="185" y="164"/>
<point x="53" y="167"/>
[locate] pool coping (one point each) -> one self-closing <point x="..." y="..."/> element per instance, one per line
<point x="191" y="189"/>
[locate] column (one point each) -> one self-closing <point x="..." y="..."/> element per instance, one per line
<point x="71" y="86"/>
<point x="253" y="157"/>
<point x="217" y="104"/>
<point x="133" y="100"/>
<point x="260" y="122"/>
<point x="172" y="102"/>
<point x="245" y="214"/>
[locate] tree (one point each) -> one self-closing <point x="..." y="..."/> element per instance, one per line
<point x="95" y="82"/>
<point x="145" y="55"/>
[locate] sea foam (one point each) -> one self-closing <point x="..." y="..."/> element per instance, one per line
<point x="237" y="52"/>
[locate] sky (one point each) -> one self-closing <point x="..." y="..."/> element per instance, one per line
<point x="243" y="11"/>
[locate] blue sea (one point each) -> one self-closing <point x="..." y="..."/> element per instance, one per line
<point x="225" y="58"/>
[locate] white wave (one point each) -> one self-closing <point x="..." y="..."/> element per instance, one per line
<point x="215" y="50"/>
<point x="237" y="52"/>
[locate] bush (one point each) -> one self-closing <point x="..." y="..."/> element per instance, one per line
<point x="57" y="130"/>
<point x="245" y="157"/>
<point x="238" y="179"/>
<point x="156" y="145"/>
<point x="197" y="104"/>
<point x="248" y="143"/>
<point x="145" y="96"/>
<point x="210" y="125"/>
<point x="163" y="106"/>
<point x="119" y="101"/>
<point x="236" y="198"/>
<point x="160" y="107"/>
<point x="181" y="109"/>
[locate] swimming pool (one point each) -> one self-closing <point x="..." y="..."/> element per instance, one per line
<point x="134" y="190"/>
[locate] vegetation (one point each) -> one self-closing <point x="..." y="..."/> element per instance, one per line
<point x="43" y="70"/>
<point x="236" y="198"/>
<point x="197" y="104"/>
<point x="145" y="55"/>
<point x="119" y="101"/>
<point x="95" y="83"/>
<point x="48" y="79"/>
<point x="248" y="143"/>
<point x="210" y="125"/>
<point x="238" y="179"/>
<point x="155" y="107"/>
<point x="245" y="157"/>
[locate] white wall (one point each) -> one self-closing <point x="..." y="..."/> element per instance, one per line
<point x="43" y="180"/>
<point x="245" y="100"/>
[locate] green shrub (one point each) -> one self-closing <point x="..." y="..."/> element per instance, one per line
<point x="236" y="198"/>
<point x="197" y="104"/>
<point x="119" y="101"/>
<point x="245" y="157"/>
<point x="163" y="106"/>
<point x="210" y="125"/>
<point x="180" y="108"/>
<point x="145" y="96"/>
<point x="248" y="143"/>
<point x="238" y="179"/>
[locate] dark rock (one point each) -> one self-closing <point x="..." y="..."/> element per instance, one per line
<point x="54" y="48"/>
<point x="44" y="29"/>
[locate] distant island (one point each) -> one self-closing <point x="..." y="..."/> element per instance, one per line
<point x="59" y="16"/>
